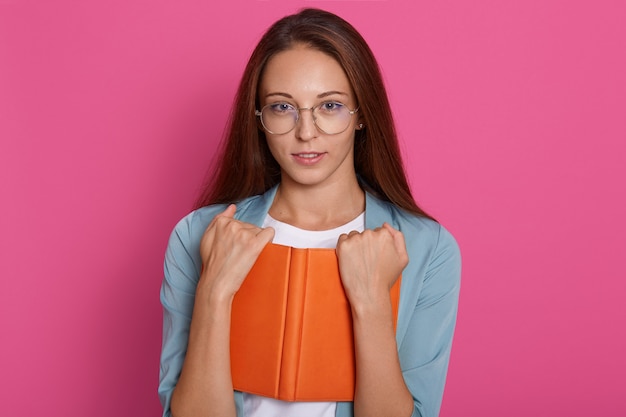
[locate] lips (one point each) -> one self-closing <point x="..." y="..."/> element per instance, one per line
<point x="308" y="158"/>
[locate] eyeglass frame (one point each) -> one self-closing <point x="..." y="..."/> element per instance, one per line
<point x="259" y="114"/>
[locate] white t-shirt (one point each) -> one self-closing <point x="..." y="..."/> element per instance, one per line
<point x="288" y="235"/>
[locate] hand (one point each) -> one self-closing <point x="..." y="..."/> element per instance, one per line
<point x="370" y="263"/>
<point x="228" y="249"/>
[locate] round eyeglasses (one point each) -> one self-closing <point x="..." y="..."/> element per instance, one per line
<point x="330" y="117"/>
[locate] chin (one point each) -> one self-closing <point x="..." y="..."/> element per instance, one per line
<point x="305" y="180"/>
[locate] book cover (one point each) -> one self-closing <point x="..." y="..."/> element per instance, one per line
<point x="291" y="328"/>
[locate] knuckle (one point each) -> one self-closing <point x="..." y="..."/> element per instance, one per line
<point x="222" y="221"/>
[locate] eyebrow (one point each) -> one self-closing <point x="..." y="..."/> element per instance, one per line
<point x="322" y="95"/>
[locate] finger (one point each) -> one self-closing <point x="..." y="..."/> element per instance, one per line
<point x="390" y="229"/>
<point x="266" y="235"/>
<point x="261" y="240"/>
<point x="228" y="212"/>
<point x="398" y="238"/>
<point x="342" y="238"/>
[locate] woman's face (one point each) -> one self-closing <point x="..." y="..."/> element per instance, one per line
<point x="303" y="78"/>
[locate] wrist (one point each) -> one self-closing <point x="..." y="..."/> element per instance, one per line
<point x="213" y="298"/>
<point x="376" y="305"/>
<point x="215" y="286"/>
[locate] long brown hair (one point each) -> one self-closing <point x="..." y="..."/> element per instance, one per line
<point x="246" y="167"/>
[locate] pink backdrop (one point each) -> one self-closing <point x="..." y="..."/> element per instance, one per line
<point x="513" y="120"/>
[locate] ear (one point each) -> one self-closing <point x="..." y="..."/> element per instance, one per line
<point x="258" y="123"/>
<point x="360" y="123"/>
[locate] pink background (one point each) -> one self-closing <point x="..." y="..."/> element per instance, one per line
<point x="512" y="117"/>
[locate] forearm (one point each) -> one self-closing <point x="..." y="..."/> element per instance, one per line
<point x="205" y="385"/>
<point x="380" y="387"/>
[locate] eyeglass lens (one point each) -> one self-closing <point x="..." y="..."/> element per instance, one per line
<point x="330" y="117"/>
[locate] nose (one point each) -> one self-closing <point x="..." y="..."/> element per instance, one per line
<point x="305" y="126"/>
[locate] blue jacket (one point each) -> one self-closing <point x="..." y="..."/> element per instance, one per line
<point x="426" y="316"/>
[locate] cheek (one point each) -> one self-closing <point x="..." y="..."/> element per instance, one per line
<point x="348" y="143"/>
<point x="274" y="147"/>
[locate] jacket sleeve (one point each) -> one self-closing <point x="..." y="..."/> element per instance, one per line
<point x="425" y="349"/>
<point x="181" y="272"/>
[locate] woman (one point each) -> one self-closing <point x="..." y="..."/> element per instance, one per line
<point x="311" y="160"/>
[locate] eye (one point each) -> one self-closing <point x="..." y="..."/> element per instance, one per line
<point x="331" y="107"/>
<point x="281" y="108"/>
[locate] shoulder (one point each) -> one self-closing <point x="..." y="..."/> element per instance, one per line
<point x="427" y="231"/>
<point x="425" y="239"/>
<point x="434" y="252"/>
<point x="411" y="225"/>
<point x="191" y="227"/>
<point x="429" y="236"/>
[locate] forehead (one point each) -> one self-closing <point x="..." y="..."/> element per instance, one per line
<point x="303" y="71"/>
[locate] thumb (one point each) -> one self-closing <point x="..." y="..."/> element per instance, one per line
<point x="398" y="237"/>
<point x="229" y="212"/>
<point x="390" y="229"/>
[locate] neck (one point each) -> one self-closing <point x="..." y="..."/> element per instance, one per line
<point x="318" y="207"/>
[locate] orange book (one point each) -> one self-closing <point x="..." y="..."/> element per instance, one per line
<point x="291" y="327"/>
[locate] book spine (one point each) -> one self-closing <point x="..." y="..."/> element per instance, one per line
<point x="293" y="324"/>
